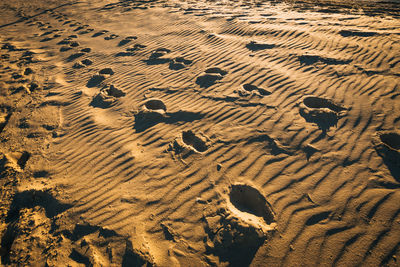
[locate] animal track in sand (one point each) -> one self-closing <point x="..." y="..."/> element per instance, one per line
<point x="210" y="76"/>
<point x="192" y="140"/>
<point x="324" y="112"/>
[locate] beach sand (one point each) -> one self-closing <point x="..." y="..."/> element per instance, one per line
<point x="199" y="133"/>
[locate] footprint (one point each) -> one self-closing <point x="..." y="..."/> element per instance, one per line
<point x="127" y="40"/>
<point x="253" y="89"/>
<point x="107" y="71"/>
<point x="155" y="104"/>
<point x="249" y="201"/>
<point x="159" y="52"/>
<point x="65" y="48"/>
<point x="387" y="145"/>
<point x="199" y="144"/>
<point x="86" y="50"/>
<point x="87" y="62"/>
<point x="5" y="114"/>
<point x="82" y="64"/>
<point x="309" y="59"/>
<point x="111" y="37"/>
<point x="210" y="77"/>
<point x="100" y="33"/>
<point x="75" y="56"/>
<point x="95" y="80"/>
<point x="255" y="46"/>
<point x="15" y="160"/>
<point x="352" y="33"/>
<point x="324" y="112"/>
<point x="73" y="44"/>
<point x="107" y="97"/>
<point x="157" y="57"/>
<point x="244" y="225"/>
<point x="136" y="47"/>
<point x="179" y="63"/>
<point x="86" y="31"/>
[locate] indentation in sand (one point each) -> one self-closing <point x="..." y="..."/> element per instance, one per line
<point x="194" y="141"/>
<point x="324" y="112"/>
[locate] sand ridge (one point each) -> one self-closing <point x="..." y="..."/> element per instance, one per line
<point x="196" y="133"/>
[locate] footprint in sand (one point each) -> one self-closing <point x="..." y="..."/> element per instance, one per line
<point x="154" y="111"/>
<point x="179" y="63"/>
<point x="82" y="64"/>
<point x="5" y="114"/>
<point x="111" y="37"/>
<point x="75" y="56"/>
<point x="136" y="47"/>
<point x="97" y="79"/>
<point x="15" y="160"/>
<point x="249" y="89"/>
<point x="387" y="144"/>
<point x="155" y="104"/>
<point x="86" y="50"/>
<point x="324" y="112"/>
<point x="189" y="142"/>
<point x="210" y="76"/>
<point x="246" y="221"/>
<point x="196" y="142"/>
<point x="107" y="97"/>
<point x="255" y="46"/>
<point x="356" y="33"/>
<point x="127" y="40"/>
<point x="100" y="33"/>
<point x="158" y="57"/>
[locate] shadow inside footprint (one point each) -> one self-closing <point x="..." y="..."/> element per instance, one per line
<point x="32" y="198"/>
<point x="324" y="112"/>
<point x="387" y="145"/>
<point x="95" y="80"/>
<point x="146" y="120"/>
<point x="255" y="46"/>
<point x="210" y="76"/>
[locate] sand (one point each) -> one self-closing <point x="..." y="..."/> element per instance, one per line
<point x="199" y="133"/>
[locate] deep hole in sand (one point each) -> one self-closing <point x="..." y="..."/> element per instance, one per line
<point x="190" y="139"/>
<point x="155" y="104"/>
<point x="319" y="102"/>
<point x="248" y="199"/>
<point x="391" y="139"/>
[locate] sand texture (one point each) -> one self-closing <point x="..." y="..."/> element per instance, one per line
<point x="199" y="133"/>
